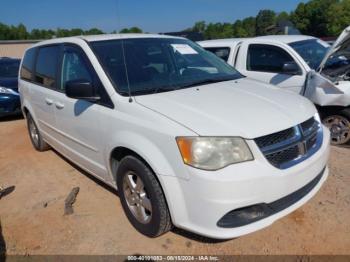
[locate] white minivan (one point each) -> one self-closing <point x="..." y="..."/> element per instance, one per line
<point x="185" y="138"/>
<point x="302" y="64"/>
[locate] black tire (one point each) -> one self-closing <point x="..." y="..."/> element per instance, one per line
<point x="329" y="115"/>
<point x="39" y="144"/>
<point x="160" y="221"/>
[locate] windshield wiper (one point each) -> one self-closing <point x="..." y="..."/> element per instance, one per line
<point x="207" y="81"/>
<point x="148" y="91"/>
<point x="164" y="89"/>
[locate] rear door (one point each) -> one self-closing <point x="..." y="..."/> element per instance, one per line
<point x="42" y="89"/>
<point x="80" y="122"/>
<point x="265" y="62"/>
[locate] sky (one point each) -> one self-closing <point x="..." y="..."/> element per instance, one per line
<point x="153" y="16"/>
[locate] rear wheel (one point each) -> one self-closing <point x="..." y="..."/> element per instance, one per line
<point x="142" y="198"/>
<point x="35" y="136"/>
<point x="339" y="125"/>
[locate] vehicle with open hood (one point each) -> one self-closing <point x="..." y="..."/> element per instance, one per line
<point x="302" y="64"/>
<point x="184" y="137"/>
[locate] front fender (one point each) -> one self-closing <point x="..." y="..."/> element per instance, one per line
<point x="163" y="157"/>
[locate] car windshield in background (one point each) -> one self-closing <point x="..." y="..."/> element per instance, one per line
<point x="312" y="51"/>
<point x="151" y="65"/>
<point x="9" y="68"/>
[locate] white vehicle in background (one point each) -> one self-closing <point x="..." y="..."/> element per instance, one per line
<point x="301" y="64"/>
<point x="186" y="139"/>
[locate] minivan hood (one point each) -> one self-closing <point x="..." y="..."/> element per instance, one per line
<point x="342" y="42"/>
<point x="245" y="108"/>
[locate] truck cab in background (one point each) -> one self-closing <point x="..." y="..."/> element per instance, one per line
<point x="300" y="64"/>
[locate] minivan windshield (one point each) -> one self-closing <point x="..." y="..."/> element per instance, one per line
<point x="151" y="65"/>
<point x="9" y="68"/>
<point x="312" y="51"/>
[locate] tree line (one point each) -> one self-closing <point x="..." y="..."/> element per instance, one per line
<point x="316" y="17"/>
<point x="20" y="32"/>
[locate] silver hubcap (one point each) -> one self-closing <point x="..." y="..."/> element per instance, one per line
<point x="137" y="198"/>
<point x="34" y="132"/>
<point x="339" y="127"/>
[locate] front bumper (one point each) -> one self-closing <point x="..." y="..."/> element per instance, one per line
<point x="9" y="105"/>
<point x="199" y="203"/>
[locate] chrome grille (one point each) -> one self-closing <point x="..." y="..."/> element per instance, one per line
<point x="291" y="146"/>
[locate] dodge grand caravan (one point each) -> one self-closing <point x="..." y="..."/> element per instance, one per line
<point x="185" y="138"/>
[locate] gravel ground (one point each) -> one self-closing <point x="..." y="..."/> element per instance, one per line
<point x="33" y="221"/>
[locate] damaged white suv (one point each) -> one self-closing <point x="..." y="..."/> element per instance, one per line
<point x="302" y="64"/>
<point x="185" y="139"/>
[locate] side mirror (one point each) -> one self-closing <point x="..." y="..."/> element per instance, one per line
<point x="81" y="89"/>
<point x="291" y="69"/>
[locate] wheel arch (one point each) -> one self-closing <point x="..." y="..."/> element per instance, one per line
<point x="155" y="153"/>
<point x="25" y="111"/>
<point x="26" y="108"/>
<point x="118" y="153"/>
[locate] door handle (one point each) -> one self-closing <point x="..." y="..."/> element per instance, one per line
<point x="59" y="105"/>
<point x="49" y="101"/>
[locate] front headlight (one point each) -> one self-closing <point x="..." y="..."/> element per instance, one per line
<point x="213" y="153"/>
<point x="8" y="91"/>
<point x="4" y="90"/>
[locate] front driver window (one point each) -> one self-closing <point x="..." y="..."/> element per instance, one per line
<point x="73" y="68"/>
<point x="267" y="58"/>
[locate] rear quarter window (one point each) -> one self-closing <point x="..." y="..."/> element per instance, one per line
<point x="222" y="52"/>
<point x="27" y="68"/>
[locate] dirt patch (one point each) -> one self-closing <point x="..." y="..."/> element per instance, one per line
<point x="32" y="219"/>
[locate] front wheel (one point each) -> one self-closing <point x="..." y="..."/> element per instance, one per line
<point x="142" y="198"/>
<point x="339" y="126"/>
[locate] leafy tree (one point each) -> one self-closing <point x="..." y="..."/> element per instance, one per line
<point x="131" y="30"/>
<point x="338" y="16"/>
<point x="312" y="17"/>
<point x="219" y="30"/>
<point x="265" y="20"/>
<point x="21" y="32"/>
<point x="76" y="31"/>
<point x="62" y="32"/>
<point x="199" y="27"/>
<point x="283" y="16"/>
<point x="13" y="32"/>
<point x="245" y="27"/>
<point x="239" y="30"/>
<point x="93" y="31"/>
<point x="35" y="34"/>
<point x="3" y="31"/>
<point x="249" y="25"/>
